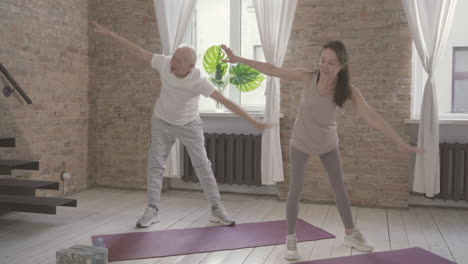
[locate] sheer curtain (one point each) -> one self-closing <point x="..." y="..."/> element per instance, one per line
<point x="274" y="19"/>
<point x="429" y="22"/>
<point x="173" y="19"/>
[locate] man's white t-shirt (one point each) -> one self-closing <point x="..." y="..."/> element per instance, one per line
<point x="178" y="101"/>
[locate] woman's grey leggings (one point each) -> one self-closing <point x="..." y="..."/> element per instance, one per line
<point x="332" y="163"/>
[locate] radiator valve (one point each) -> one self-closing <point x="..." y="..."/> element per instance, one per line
<point x="65" y="175"/>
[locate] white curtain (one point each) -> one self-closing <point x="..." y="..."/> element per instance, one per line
<point x="173" y="19"/>
<point x="429" y="22"/>
<point x="274" y="19"/>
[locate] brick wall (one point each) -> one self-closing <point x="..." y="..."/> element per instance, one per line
<point x="44" y="46"/>
<point x="123" y="92"/>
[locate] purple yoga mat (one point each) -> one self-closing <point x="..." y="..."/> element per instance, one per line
<point x="402" y="256"/>
<point x="164" y="243"/>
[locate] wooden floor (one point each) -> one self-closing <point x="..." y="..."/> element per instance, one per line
<point x="34" y="238"/>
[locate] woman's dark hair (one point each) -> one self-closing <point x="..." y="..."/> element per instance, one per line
<point x="343" y="88"/>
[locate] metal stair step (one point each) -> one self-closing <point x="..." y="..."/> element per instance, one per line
<point x="31" y="204"/>
<point x="25" y="187"/>
<point x="7" y="142"/>
<point x="6" y="166"/>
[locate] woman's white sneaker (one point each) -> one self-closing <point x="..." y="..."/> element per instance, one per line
<point x="291" y="252"/>
<point x="357" y="240"/>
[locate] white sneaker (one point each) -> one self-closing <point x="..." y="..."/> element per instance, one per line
<point x="357" y="240"/>
<point x="150" y="216"/>
<point x="220" y="216"/>
<point x="291" y="252"/>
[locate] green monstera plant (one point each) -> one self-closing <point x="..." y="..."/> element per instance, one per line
<point x="244" y="77"/>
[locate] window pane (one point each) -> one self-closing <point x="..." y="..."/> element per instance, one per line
<point x="211" y="28"/>
<point x="251" y="48"/>
<point x="461" y="60"/>
<point x="460" y="100"/>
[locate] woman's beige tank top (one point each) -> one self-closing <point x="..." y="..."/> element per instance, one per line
<point x="315" y="129"/>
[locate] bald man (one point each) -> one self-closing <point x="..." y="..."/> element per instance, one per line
<point x="176" y="116"/>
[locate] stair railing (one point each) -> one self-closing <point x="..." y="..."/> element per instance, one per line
<point x="7" y="90"/>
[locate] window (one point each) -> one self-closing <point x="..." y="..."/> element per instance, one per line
<point x="450" y="75"/>
<point x="234" y="23"/>
<point x="460" y="80"/>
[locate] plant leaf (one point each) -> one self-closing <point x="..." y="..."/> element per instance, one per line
<point x="245" y="78"/>
<point x="215" y="67"/>
<point x="213" y="60"/>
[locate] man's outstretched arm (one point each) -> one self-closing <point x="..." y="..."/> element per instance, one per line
<point x="239" y="111"/>
<point x="132" y="47"/>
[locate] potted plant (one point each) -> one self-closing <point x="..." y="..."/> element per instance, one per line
<point x="244" y="77"/>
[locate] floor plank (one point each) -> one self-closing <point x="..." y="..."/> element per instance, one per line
<point x="454" y="230"/>
<point x="432" y="233"/>
<point x="396" y="230"/>
<point x="413" y="229"/>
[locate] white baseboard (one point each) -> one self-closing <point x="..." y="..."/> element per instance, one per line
<point x="234" y="188"/>
<point x="424" y="201"/>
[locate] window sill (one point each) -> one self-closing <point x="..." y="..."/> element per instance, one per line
<point x="444" y="121"/>
<point x="231" y="114"/>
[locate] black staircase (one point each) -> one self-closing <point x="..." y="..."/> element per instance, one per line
<point x="20" y="195"/>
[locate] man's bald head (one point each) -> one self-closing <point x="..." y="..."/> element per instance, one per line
<point x="183" y="60"/>
<point x="188" y="53"/>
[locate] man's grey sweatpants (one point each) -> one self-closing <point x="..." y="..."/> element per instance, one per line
<point x="163" y="136"/>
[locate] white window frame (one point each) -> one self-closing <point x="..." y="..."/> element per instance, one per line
<point x="454" y="50"/>
<point x="235" y="44"/>
<point x="417" y="87"/>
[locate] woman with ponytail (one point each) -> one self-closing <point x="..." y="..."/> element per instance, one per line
<point x="324" y="90"/>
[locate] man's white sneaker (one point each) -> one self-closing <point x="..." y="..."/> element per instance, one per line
<point x="291" y="252"/>
<point x="150" y="216"/>
<point x="357" y="240"/>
